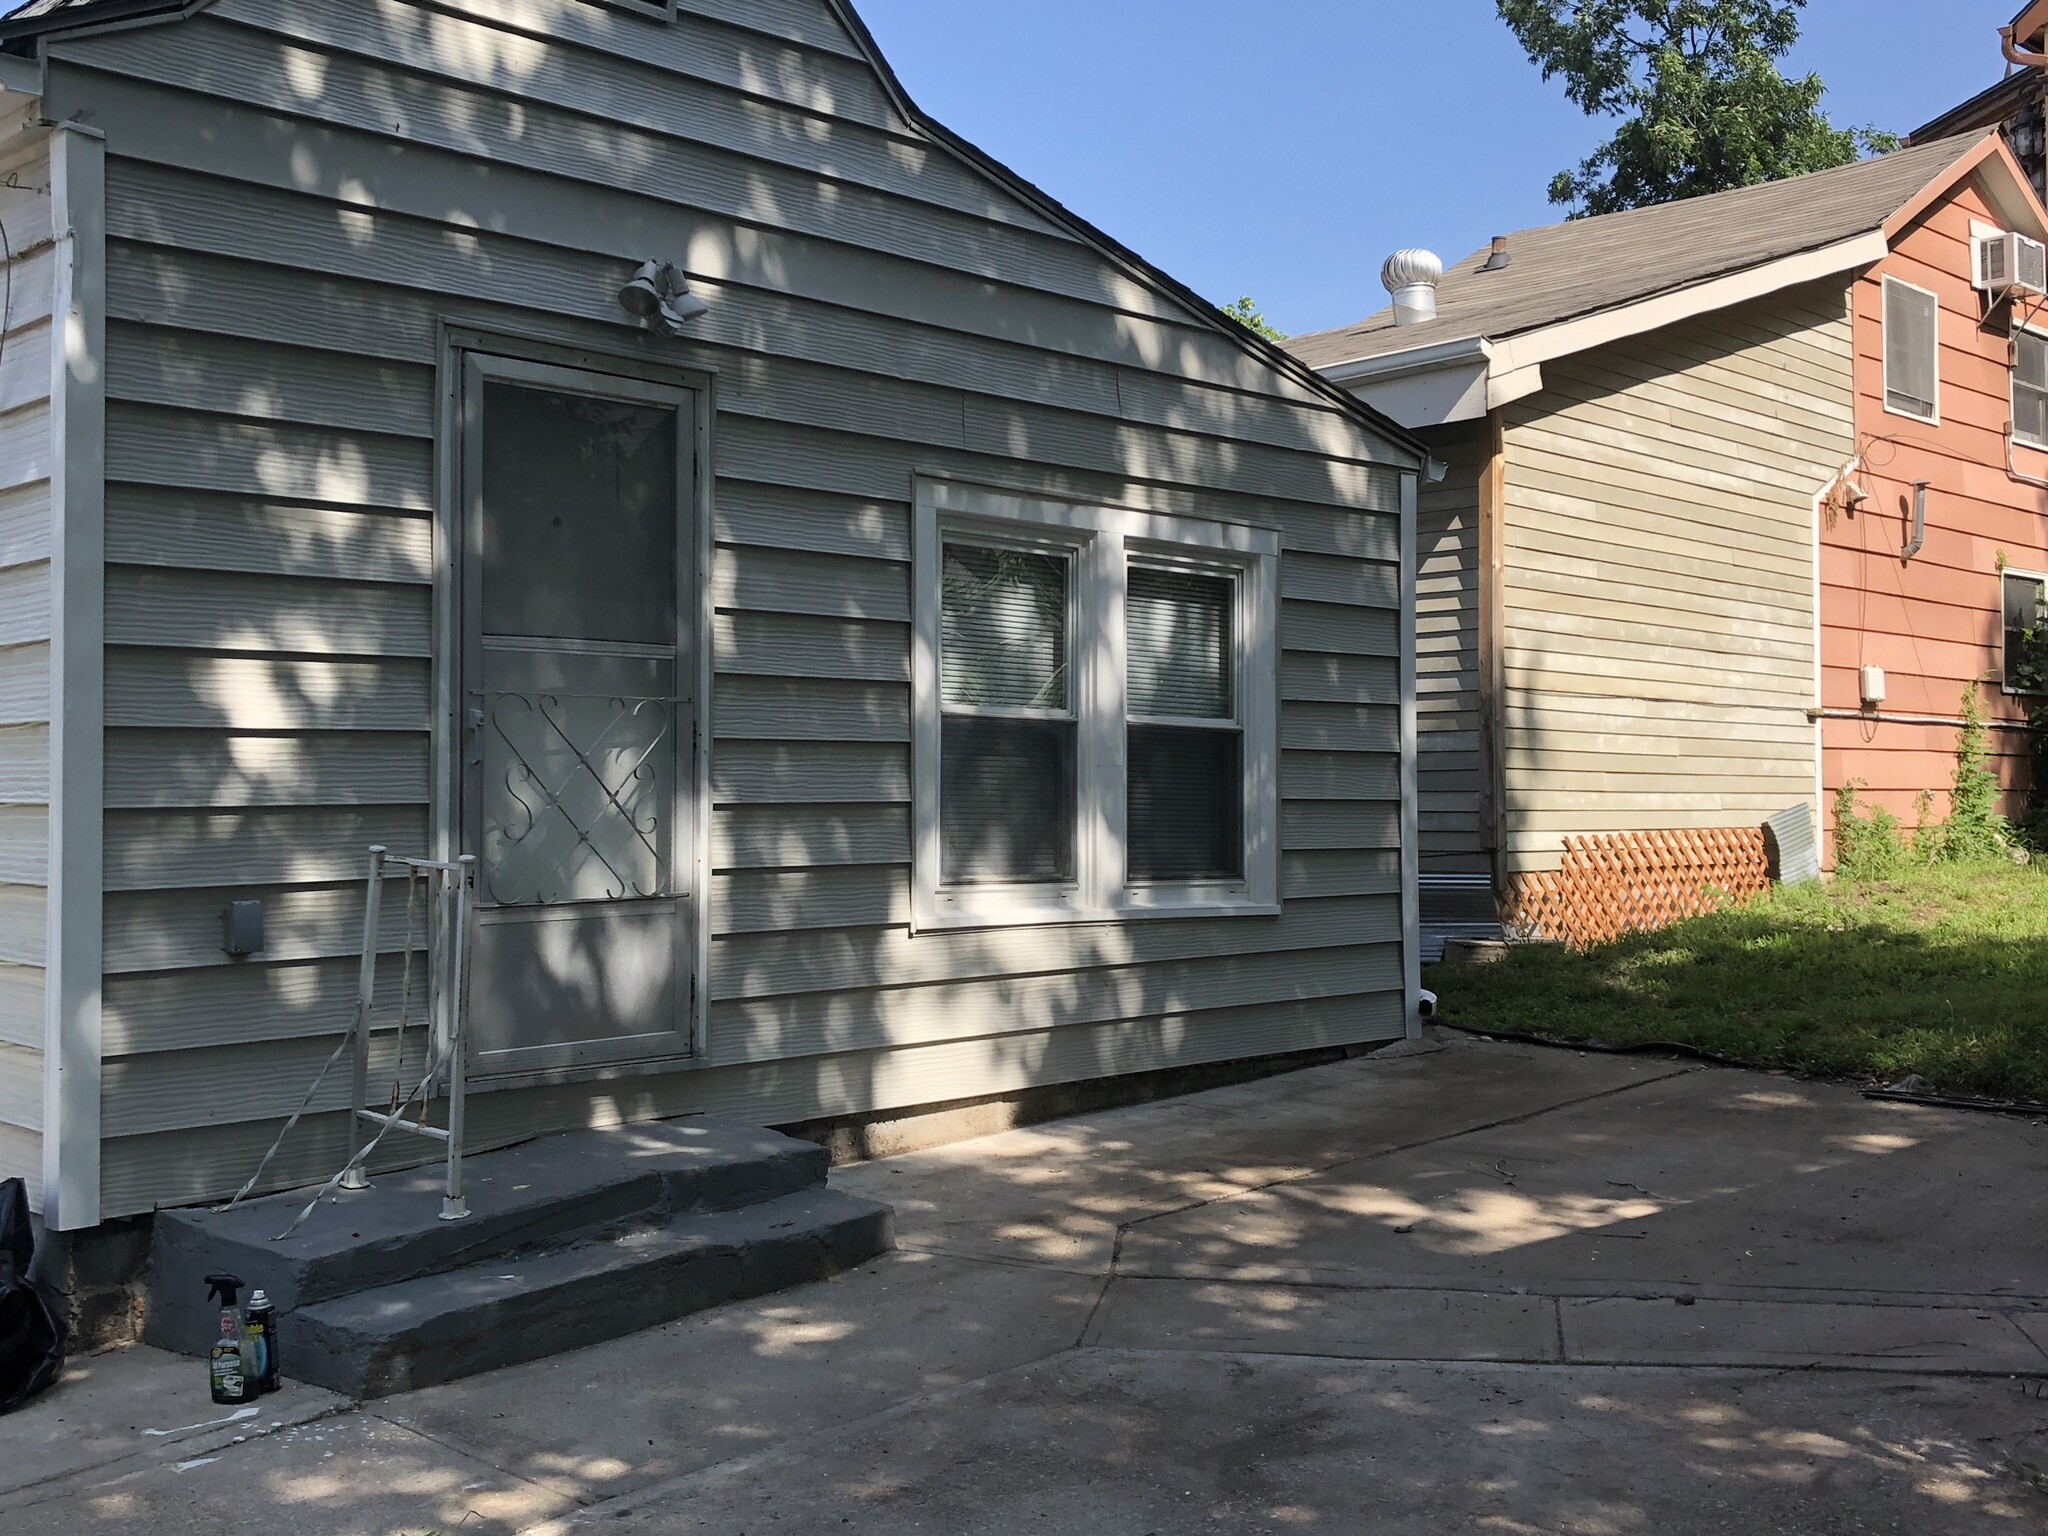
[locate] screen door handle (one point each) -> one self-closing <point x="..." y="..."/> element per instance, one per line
<point x="476" y="736"/>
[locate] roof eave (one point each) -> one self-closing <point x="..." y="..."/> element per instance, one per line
<point x="1514" y="362"/>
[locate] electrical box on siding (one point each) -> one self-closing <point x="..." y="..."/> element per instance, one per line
<point x="1873" y="686"/>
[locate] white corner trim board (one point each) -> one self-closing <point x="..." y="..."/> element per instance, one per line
<point x="71" y="1059"/>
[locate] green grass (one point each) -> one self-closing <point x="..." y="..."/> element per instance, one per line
<point x="1943" y="972"/>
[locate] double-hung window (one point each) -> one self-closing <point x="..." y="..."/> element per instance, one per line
<point x="1096" y="712"/>
<point x="2026" y="632"/>
<point x="1912" y="351"/>
<point x="2030" y="388"/>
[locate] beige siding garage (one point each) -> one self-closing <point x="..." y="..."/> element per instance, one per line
<point x="1659" y="585"/>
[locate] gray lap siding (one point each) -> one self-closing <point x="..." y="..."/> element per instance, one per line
<point x="300" y="199"/>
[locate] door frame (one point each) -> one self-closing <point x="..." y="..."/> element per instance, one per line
<point x="456" y="343"/>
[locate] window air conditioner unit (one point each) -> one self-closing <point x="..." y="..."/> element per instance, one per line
<point x="2011" y="263"/>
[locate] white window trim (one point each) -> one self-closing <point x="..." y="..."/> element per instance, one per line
<point x="2040" y="335"/>
<point x="2004" y="661"/>
<point x="1885" y="350"/>
<point x="1103" y="539"/>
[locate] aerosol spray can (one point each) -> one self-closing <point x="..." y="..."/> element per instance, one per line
<point x="261" y="1331"/>
<point x="228" y="1365"/>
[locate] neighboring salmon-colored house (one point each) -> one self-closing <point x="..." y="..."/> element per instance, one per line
<point x="1935" y="621"/>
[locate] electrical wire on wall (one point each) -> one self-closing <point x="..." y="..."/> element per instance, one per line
<point x="13" y="184"/>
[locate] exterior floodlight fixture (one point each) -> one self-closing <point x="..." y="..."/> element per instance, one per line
<point x="659" y="295"/>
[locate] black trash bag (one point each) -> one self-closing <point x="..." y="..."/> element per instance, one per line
<point x="31" y="1335"/>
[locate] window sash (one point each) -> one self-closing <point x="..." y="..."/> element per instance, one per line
<point x="1105" y="544"/>
<point x="1229" y="658"/>
<point x="1912" y="351"/>
<point x="1068" y="637"/>
<point x="2030" y="389"/>
<point x="2023" y="596"/>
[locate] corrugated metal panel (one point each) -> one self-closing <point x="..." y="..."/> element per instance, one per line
<point x="1793" y="842"/>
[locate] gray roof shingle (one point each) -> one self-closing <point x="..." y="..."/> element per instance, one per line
<point x="1564" y="271"/>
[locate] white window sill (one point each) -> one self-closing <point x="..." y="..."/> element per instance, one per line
<point x="1905" y="415"/>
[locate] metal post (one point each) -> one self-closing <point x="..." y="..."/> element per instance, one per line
<point x="366" y="992"/>
<point x="454" y="1207"/>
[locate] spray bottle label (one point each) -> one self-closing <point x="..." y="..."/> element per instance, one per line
<point x="230" y="1385"/>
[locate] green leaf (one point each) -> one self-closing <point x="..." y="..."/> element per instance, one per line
<point x="1702" y="103"/>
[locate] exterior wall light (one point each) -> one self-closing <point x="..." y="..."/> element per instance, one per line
<point x="659" y="295"/>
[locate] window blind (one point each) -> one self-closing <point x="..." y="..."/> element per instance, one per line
<point x="1004" y="628"/>
<point x="1182" y="643"/>
<point x="1185" y="791"/>
<point x="1912" y="342"/>
<point x="1006" y="779"/>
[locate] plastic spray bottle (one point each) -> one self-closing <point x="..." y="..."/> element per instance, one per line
<point x="228" y="1368"/>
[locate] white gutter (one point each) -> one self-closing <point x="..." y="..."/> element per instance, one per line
<point x="1397" y="365"/>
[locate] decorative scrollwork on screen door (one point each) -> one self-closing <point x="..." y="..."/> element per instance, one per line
<point x="579" y="792"/>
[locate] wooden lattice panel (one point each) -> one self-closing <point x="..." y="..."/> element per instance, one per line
<point x="1638" y="882"/>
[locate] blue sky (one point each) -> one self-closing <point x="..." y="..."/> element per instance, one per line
<point x="1283" y="148"/>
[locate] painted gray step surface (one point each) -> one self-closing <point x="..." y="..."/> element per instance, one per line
<point x="546" y="1193"/>
<point x="444" y="1327"/>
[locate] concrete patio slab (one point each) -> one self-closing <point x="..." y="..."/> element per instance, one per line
<point x="1707" y="1181"/>
<point x="128" y="1409"/>
<point x="1494" y="1289"/>
<point x="599" y="1422"/>
<point x="356" y="1475"/>
<point x="1057" y="1194"/>
<point x="1103" y="1443"/>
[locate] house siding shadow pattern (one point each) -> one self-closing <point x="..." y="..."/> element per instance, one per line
<point x="1658" y="601"/>
<point x="300" y="196"/>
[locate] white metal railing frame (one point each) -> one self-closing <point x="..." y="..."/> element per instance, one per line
<point x="452" y="892"/>
<point x="451" y="898"/>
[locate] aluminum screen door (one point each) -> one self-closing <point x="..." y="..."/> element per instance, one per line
<point x="578" y="713"/>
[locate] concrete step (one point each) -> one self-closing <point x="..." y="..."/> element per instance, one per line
<point x="416" y="1333"/>
<point x="549" y="1193"/>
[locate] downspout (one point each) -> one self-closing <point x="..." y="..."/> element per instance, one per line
<point x="2014" y="54"/>
<point x="1919" y="540"/>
